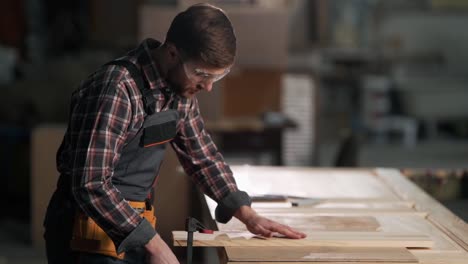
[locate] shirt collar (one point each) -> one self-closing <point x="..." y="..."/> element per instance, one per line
<point x="148" y="64"/>
<point x="151" y="71"/>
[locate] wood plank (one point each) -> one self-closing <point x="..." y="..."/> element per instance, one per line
<point x="316" y="254"/>
<point x="455" y="237"/>
<point x="317" y="262"/>
<point x="438" y="257"/>
<point x="315" y="223"/>
<point x="332" y="239"/>
<point x="309" y="182"/>
<point x="400" y="223"/>
<point x="452" y="225"/>
<point x="344" y="184"/>
<point x="332" y="223"/>
<point x="368" y="200"/>
<point x="351" y="200"/>
<point x="364" y="204"/>
<point x="321" y="262"/>
<point x="338" y="211"/>
<point x="286" y="202"/>
<point x="386" y="223"/>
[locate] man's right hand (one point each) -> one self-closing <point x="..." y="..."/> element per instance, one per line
<point x="159" y="252"/>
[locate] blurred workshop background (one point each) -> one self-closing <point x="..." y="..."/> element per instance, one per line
<point x="321" y="83"/>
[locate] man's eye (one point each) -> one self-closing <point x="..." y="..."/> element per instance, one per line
<point x="203" y="75"/>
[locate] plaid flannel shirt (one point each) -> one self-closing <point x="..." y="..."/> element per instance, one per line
<point x="106" y="110"/>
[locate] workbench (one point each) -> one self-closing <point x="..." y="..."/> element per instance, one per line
<point x="350" y="216"/>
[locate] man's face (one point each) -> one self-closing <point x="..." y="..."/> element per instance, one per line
<point x="188" y="78"/>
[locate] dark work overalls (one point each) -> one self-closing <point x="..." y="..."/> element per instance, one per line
<point x="134" y="176"/>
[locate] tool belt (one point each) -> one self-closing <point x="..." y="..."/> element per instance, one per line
<point x="89" y="237"/>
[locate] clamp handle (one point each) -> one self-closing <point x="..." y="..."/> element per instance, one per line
<point x="193" y="225"/>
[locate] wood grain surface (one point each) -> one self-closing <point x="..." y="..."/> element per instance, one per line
<point x="332" y="239"/>
<point x="315" y="254"/>
<point x="443" y="218"/>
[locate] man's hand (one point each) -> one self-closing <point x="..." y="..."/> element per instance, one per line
<point x="260" y="225"/>
<point x="159" y="252"/>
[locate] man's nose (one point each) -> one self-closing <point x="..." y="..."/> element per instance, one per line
<point x="207" y="86"/>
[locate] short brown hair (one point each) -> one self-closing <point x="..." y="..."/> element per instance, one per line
<point x="204" y="32"/>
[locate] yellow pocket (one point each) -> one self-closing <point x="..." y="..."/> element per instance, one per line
<point x="89" y="237"/>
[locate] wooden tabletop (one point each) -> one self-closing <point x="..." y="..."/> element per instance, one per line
<point x="350" y="215"/>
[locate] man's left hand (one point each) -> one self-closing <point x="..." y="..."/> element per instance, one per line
<point x="260" y="225"/>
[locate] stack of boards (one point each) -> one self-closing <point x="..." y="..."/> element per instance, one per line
<point x="381" y="218"/>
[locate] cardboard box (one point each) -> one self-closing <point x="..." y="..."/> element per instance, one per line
<point x="45" y="141"/>
<point x="250" y="92"/>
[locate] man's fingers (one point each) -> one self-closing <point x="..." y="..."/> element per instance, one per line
<point x="287" y="231"/>
<point x="300" y="234"/>
<point x="263" y="231"/>
<point x="266" y="227"/>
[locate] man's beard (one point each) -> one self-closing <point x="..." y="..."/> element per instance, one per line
<point x="174" y="85"/>
<point x="177" y="86"/>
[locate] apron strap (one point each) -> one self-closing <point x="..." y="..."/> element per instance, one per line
<point x="149" y="102"/>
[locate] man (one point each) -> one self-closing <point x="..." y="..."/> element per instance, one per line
<point x="121" y="118"/>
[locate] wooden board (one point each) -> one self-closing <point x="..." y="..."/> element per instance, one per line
<point x="347" y="200"/>
<point x="308" y="182"/>
<point x="440" y="216"/>
<point x="396" y="204"/>
<point x="341" y="211"/>
<point x="263" y="87"/>
<point x="439" y="257"/>
<point x="316" y="223"/>
<point x="318" y="262"/>
<point x="316" y="254"/>
<point x="332" y="239"/>
<point x="332" y="223"/>
<point x="408" y="223"/>
<point x="357" y="204"/>
<point x="384" y="223"/>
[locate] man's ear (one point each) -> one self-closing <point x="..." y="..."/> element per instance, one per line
<point x="172" y="51"/>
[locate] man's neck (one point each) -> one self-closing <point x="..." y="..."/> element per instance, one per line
<point x="159" y="57"/>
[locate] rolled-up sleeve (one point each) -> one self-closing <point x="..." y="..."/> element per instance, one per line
<point x="203" y="162"/>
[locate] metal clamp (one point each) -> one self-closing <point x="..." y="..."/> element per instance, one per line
<point x="193" y="225"/>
